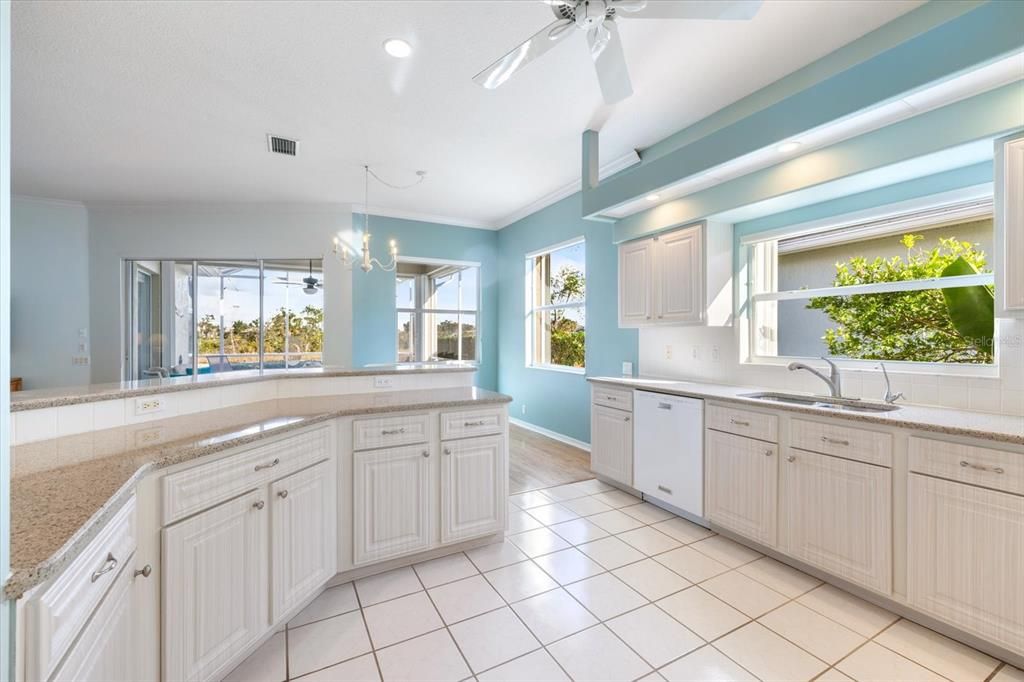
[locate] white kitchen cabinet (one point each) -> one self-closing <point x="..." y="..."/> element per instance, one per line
<point x="741" y="491"/>
<point x="837" y="514"/>
<point x="215" y="586"/>
<point x="1009" y="225"/>
<point x="391" y="502"/>
<point x="303" y="535"/>
<point x="965" y="553"/>
<point x="678" y="277"/>
<point x="611" y="443"/>
<point x="108" y="649"/>
<point x="472" y="488"/>
<point x="679" y="270"/>
<point x="636" y="269"/>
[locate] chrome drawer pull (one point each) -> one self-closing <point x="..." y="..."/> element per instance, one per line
<point x="282" y="494"/>
<point x="626" y="419"/>
<point x="611" y="397"/>
<point x="791" y="458"/>
<point x="979" y="467"/>
<point x="261" y="467"/>
<point x="664" y="406"/>
<point x="834" y="441"/>
<point x="447" y="451"/>
<point x="392" y="432"/>
<point x="768" y="452"/>
<point x="738" y="422"/>
<point x="145" y="571"/>
<point x="664" y="489"/>
<point x="109" y="565"/>
<point x="426" y="453"/>
<point x="476" y="423"/>
<point x="258" y="505"/>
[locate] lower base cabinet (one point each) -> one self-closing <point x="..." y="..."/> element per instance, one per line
<point x="611" y="444"/>
<point x="966" y="550"/>
<point x="741" y="490"/>
<point x="837" y="515"/>
<point x="472" y="488"/>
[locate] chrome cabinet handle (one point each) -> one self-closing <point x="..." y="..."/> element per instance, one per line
<point x="447" y="451"/>
<point x="791" y="458"/>
<point x="626" y="419"/>
<point x="980" y="467"/>
<point x="392" y="432"/>
<point x="282" y="494"/>
<point x="834" y="441"/>
<point x="768" y="452"/>
<point x="611" y="397"/>
<point x="664" y="489"/>
<point x="259" y="505"/>
<point x="108" y="565"/>
<point x="426" y="453"/>
<point x="738" y="422"/>
<point x="261" y="467"/>
<point x="145" y="571"/>
<point x="664" y="406"/>
<point x="476" y="423"/>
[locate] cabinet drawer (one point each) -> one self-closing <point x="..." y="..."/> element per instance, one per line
<point x="986" y="467"/>
<point x="193" y="490"/>
<point x="383" y="432"/>
<point x="872" y="447"/>
<point x="468" y="423"/>
<point x="56" y="616"/>
<point x="743" y="422"/>
<point x="620" y="399"/>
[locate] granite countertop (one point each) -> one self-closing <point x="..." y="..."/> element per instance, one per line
<point x="996" y="427"/>
<point x="74" y="395"/>
<point x="65" y="489"/>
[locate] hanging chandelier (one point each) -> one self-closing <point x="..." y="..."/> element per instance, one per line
<point x="367" y="262"/>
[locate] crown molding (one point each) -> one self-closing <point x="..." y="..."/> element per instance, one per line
<point x="610" y="168"/>
<point x="380" y="211"/>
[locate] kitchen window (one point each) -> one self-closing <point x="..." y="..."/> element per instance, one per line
<point x="911" y="288"/>
<point x="556" y="317"/>
<point x="437" y="306"/>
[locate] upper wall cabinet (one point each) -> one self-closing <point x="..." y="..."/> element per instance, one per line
<point x="678" y="277"/>
<point x="1009" y="203"/>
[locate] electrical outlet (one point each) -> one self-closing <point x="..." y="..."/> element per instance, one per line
<point x="695" y="352"/>
<point x="627" y="369"/>
<point x="80" y="360"/>
<point x="715" y="354"/>
<point x="668" y="352"/>
<point x="148" y="405"/>
<point x="383" y="382"/>
<point x="149" y="436"/>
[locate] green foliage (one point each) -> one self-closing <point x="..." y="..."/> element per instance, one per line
<point x="305" y="333"/>
<point x="568" y="338"/>
<point x="908" y="325"/>
<point x="971" y="309"/>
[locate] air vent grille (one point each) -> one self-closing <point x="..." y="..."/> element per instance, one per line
<point x="282" y="145"/>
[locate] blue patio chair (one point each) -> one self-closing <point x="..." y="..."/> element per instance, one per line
<point x="219" y="363"/>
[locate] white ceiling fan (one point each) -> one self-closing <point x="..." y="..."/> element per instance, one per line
<point x="598" y="19"/>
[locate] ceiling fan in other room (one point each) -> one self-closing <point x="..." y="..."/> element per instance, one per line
<point x="310" y="284"/>
<point x="597" y="18"/>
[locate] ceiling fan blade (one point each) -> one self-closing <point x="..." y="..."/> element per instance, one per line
<point x="542" y="41"/>
<point x="687" y="9"/>
<point x="609" y="62"/>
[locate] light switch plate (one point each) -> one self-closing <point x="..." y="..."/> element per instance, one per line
<point x="627" y="369"/>
<point x="383" y="382"/>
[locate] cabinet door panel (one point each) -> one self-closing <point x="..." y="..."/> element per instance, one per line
<point x="472" y="488"/>
<point x="107" y="648"/>
<point x="680" y="276"/>
<point x="611" y="449"/>
<point x="391" y="494"/>
<point x="303" y="535"/>
<point x="215" y="587"/>
<point x="965" y="553"/>
<point x="636" y="265"/>
<point x="1009" y="201"/>
<point x="837" y="514"/>
<point x="741" y="485"/>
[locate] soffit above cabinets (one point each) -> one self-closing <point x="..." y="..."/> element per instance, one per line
<point x="984" y="79"/>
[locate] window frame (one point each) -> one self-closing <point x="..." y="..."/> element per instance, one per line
<point x="533" y="333"/>
<point x="421" y="312"/>
<point x="761" y="276"/>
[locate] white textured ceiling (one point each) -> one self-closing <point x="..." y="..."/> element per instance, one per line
<point x="171" y="101"/>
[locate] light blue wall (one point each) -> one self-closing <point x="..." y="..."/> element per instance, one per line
<point x="373" y="293"/>
<point x="559" y="401"/>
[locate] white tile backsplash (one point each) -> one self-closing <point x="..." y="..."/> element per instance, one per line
<point x="1002" y="394"/>
<point x="73" y="419"/>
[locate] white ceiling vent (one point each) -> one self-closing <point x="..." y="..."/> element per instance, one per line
<point x="282" y="145"/>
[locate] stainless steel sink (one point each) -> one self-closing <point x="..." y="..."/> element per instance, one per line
<point x="840" y="404"/>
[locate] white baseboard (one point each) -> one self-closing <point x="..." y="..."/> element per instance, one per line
<point x="554" y="435"/>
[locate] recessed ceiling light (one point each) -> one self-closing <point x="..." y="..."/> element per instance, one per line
<point x="787" y="147"/>
<point x="652" y="197"/>
<point x="396" y="47"/>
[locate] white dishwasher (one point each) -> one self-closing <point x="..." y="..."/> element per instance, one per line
<point x="668" y="449"/>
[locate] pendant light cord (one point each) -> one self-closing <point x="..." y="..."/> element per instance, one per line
<point x="422" y="175"/>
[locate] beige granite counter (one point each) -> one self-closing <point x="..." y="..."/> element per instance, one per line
<point x="63" y="490"/>
<point x="74" y="395"/>
<point x="995" y="427"/>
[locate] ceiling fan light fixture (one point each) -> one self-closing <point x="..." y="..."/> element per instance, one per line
<point x="397" y="48"/>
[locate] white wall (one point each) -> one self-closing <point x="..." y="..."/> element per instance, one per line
<point x="1004" y="393"/>
<point x="221" y="231"/>
<point x="49" y="292"/>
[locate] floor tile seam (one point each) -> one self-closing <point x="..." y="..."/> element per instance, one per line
<point x="921" y="663"/>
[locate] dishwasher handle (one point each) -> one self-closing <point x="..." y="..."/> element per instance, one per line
<point x="664" y="406"/>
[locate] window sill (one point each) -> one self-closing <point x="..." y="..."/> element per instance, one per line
<point x="559" y="368"/>
<point x="894" y="366"/>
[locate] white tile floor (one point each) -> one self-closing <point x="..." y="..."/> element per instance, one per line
<point x="592" y="584"/>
